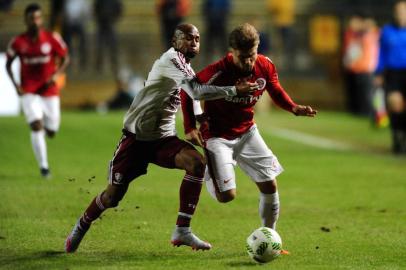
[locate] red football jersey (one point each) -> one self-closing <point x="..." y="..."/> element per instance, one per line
<point x="231" y="117"/>
<point x="37" y="59"/>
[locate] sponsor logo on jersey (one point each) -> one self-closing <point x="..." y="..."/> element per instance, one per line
<point x="45" y="48"/>
<point x="36" y="60"/>
<point x="244" y="100"/>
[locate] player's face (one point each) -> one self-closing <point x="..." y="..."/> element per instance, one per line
<point x="245" y="59"/>
<point x="189" y="43"/>
<point x="34" y="20"/>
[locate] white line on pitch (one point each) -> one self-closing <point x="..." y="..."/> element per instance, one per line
<point x="308" y="139"/>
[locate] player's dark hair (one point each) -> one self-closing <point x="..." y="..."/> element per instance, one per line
<point x="31" y="8"/>
<point x="244" y="37"/>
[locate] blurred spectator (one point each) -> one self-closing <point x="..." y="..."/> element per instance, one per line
<point x="128" y="85"/>
<point x="171" y="13"/>
<point x="283" y="17"/>
<point x="107" y="13"/>
<point x="360" y="53"/>
<point x="264" y="46"/>
<point x="56" y="13"/>
<point x="216" y="14"/>
<point x="76" y="15"/>
<point x="391" y="71"/>
<point x="6" y="5"/>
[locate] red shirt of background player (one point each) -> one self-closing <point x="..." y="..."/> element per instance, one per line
<point x="231" y="117"/>
<point x="38" y="60"/>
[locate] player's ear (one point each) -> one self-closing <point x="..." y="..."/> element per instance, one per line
<point x="174" y="42"/>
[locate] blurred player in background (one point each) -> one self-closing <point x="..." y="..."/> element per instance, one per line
<point x="391" y="72"/>
<point x="229" y="133"/>
<point x="43" y="57"/>
<point x="149" y="136"/>
<point x="360" y="54"/>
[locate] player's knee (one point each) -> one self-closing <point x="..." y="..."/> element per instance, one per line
<point x="50" y="133"/>
<point x="36" y="125"/>
<point x="111" y="200"/>
<point x="396" y="103"/>
<point x="227" y="196"/>
<point x="197" y="166"/>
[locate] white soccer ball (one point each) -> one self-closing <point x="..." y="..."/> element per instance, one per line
<point x="264" y="245"/>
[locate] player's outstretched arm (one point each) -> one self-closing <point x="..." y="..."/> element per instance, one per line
<point x="200" y="91"/>
<point x="303" y="110"/>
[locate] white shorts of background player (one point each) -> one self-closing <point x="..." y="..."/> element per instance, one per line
<point x="36" y="107"/>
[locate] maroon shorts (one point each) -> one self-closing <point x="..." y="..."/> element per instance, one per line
<point x="132" y="156"/>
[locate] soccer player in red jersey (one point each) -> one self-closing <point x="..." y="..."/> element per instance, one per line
<point x="43" y="56"/>
<point x="149" y="136"/>
<point x="229" y="132"/>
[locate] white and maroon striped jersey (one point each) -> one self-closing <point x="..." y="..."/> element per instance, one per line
<point x="152" y="112"/>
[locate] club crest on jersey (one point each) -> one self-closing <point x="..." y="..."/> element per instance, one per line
<point x="45" y="48"/>
<point x="261" y="83"/>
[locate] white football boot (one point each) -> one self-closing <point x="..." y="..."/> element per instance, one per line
<point x="184" y="236"/>
<point x="75" y="237"/>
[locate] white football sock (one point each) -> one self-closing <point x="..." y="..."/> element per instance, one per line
<point x="269" y="209"/>
<point x="40" y="148"/>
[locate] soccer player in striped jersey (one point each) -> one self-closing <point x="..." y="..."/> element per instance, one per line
<point x="229" y="133"/>
<point x="44" y="57"/>
<point x="149" y="136"/>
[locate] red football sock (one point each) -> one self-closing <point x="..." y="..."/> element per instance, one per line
<point x="189" y="194"/>
<point x="93" y="211"/>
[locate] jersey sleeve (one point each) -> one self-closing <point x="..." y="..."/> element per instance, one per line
<point x="12" y="48"/>
<point x="189" y="119"/>
<point x="209" y="73"/>
<point x="275" y="89"/>
<point x="58" y="45"/>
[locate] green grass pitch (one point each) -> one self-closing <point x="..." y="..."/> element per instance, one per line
<point x="340" y="209"/>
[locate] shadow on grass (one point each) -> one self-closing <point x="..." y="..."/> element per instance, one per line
<point x="242" y="263"/>
<point x="52" y="259"/>
<point x="29" y="261"/>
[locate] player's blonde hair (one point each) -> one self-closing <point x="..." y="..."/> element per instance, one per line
<point x="244" y="37"/>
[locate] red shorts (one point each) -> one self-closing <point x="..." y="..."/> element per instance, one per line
<point x="132" y="156"/>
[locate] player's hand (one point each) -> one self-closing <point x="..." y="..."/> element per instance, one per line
<point x="245" y="88"/>
<point x="51" y="81"/>
<point x="195" y="137"/>
<point x="302" y="110"/>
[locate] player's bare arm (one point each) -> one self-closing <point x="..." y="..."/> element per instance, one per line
<point x="303" y="110"/>
<point x="11" y="75"/>
<point x="63" y="64"/>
